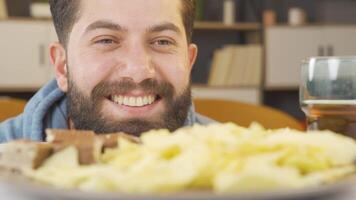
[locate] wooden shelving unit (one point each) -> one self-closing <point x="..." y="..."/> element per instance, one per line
<point x="281" y="88"/>
<point x="198" y="25"/>
<point x="237" y="93"/>
<point x="198" y="85"/>
<point x="250" y="94"/>
<point x="213" y="35"/>
<point x="18" y="89"/>
<point x="222" y="26"/>
<point x="46" y="19"/>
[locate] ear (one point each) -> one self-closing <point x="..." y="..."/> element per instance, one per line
<point x="192" y="54"/>
<point x="59" y="61"/>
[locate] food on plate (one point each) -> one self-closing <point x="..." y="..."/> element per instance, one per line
<point x="24" y="154"/>
<point x="223" y="158"/>
<point x="88" y="144"/>
<point x="20" y="154"/>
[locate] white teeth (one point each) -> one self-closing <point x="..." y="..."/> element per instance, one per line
<point x="145" y="100"/>
<point x="139" y="101"/>
<point x="126" y="101"/>
<point x="133" y="101"/>
<point x="120" y="100"/>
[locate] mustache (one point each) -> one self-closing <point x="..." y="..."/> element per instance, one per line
<point x="161" y="88"/>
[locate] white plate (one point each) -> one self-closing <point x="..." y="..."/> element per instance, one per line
<point x="30" y="191"/>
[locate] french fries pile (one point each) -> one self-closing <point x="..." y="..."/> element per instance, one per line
<point x="222" y="158"/>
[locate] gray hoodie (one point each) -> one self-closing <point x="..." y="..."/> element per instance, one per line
<point x="48" y="109"/>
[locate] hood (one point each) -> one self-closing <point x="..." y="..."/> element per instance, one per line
<point x="47" y="109"/>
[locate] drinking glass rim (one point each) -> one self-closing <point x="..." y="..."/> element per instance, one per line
<point x="307" y="60"/>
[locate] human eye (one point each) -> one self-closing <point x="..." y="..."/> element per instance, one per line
<point x="163" y="44"/>
<point x="106" y="42"/>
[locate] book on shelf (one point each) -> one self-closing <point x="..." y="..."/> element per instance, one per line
<point x="3" y="10"/>
<point x="256" y="58"/>
<point x="235" y="73"/>
<point x="220" y="66"/>
<point x="236" y="65"/>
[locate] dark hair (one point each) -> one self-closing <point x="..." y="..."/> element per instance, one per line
<point x="188" y="14"/>
<point x="66" y="12"/>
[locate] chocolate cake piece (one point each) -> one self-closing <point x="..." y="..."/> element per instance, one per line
<point x="22" y="153"/>
<point x="89" y="147"/>
<point x="110" y="140"/>
<point x="89" y="144"/>
<point x="68" y="136"/>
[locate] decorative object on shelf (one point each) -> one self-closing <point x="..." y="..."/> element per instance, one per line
<point x="200" y="10"/>
<point x="229" y="12"/>
<point x="18" y="8"/>
<point x="269" y="18"/>
<point x="40" y="9"/>
<point x="3" y="10"/>
<point x="297" y="16"/>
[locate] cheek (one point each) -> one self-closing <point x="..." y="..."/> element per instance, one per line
<point x="89" y="69"/>
<point x="176" y="71"/>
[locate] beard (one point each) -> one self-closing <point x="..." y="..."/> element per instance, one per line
<point x="85" y="112"/>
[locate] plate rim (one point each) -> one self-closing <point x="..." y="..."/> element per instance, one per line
<point x="42" y="190"/>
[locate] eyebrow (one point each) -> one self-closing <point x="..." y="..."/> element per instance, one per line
<point x="103" y="24"/>
<point x="164" y="27"/>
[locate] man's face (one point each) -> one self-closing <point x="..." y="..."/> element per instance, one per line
<point x="128" y="66"/>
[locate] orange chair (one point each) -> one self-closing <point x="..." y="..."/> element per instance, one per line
<point x="244" y="114"/>
<point x="10" y="107"/>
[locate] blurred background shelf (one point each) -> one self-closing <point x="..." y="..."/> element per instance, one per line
<point x="330" y="31"/>
<point x="221" y="26"/>
<point x="281" y="88"/>
<point x="286" y="47"/>
<point x="242" y="94"/>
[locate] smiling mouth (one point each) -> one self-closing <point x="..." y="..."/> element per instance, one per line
<point x="134" y="101"/>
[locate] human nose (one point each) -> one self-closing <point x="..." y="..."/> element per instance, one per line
<point x="138" y="64"/>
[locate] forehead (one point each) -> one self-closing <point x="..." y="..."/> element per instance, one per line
<point x="133" y="14"/>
